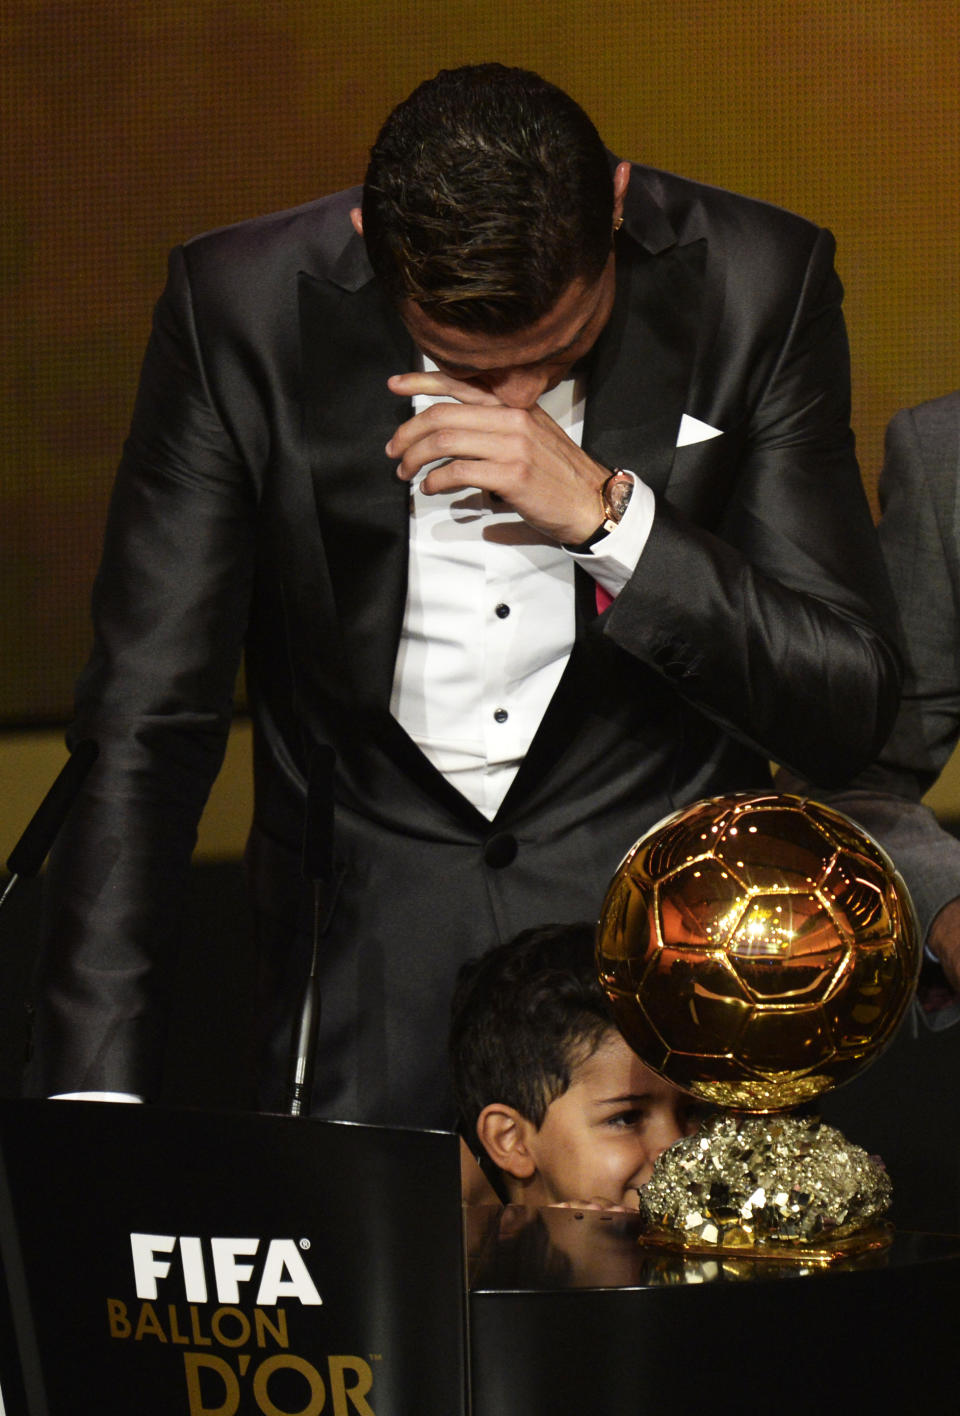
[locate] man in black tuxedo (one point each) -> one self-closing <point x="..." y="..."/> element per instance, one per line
<point x="623" y="562"/>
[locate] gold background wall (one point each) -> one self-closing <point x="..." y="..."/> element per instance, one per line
<point x="126" y="127"/>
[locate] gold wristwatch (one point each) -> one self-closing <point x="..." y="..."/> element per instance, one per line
<point x="615" y="494"/>
<point x="615" y="497"/>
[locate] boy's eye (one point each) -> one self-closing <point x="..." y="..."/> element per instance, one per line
<point x="632" y="1117"/>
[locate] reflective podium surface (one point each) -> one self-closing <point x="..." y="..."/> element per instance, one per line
<point x="570" y="1313"/>
<point x="194" y="1263"/>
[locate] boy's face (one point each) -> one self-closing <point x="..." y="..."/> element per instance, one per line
<point x="600" y="1138"/>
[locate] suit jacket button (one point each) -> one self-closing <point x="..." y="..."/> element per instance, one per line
<point x="500" y="850"/>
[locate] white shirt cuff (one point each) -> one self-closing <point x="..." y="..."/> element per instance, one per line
<point x="614" y="558"/>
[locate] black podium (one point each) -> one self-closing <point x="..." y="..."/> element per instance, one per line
<point x="165" y="1262"/>
<point x="570" y="1315"/>
<point x="187" y="1263"/>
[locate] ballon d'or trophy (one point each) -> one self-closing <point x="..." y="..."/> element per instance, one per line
<point x="757" y="950"/>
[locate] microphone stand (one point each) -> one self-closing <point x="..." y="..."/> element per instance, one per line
<point x="317" y="868"/>
<point x="33" y="847"/>
<point x="300" y="1084"/>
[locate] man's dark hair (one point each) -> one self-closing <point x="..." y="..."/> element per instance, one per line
<point x="488" y="192"/>
<point x="523" y="1017"/>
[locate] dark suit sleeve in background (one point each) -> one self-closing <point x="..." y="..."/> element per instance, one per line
<point x="918" y="534"/>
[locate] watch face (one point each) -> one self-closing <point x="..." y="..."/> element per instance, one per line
<point x="617" y="494"/>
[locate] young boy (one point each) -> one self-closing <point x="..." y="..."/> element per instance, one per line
<point x="556" y="1104"/>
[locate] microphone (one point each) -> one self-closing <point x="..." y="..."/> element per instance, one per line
<point x="318" y="867"/>
<point x="33" y="847"/>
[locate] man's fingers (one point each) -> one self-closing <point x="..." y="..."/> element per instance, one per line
<point x="452" y="430"/>
<point x="496" y="454"/>
<point x="455" y="476"/>
<point x="491" y="417"/>
<point x="439" y="385"/>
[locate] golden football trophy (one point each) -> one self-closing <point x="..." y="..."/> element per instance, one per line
<point x="757" y="950"/>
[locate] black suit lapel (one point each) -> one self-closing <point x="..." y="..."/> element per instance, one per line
<point x="351" y="341"/>
<point x="641" y="367"/>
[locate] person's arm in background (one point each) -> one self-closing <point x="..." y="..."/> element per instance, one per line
<point x="919" y="537"/>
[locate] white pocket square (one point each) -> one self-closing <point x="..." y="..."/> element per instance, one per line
<point x="693" y="431"/>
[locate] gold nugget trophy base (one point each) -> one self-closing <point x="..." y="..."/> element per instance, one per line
<point x="780" y="1187"/>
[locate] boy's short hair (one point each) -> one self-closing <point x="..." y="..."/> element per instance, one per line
<point x="523" y="1017"/>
